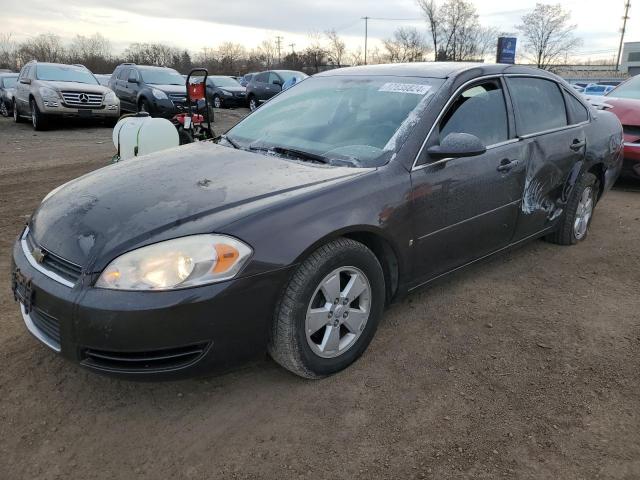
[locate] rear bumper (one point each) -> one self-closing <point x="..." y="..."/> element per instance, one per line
<point x="150" y="335"/>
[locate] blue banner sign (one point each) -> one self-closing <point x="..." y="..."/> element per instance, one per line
<point x="506" y="50"/>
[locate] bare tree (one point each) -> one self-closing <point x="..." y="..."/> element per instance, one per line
<point x="8" y="51"/>
<point x="93" y="52"/>
<point x="267" y="52"/>
<point x="548" y="35"/>
<point x="407" y="45"/>
<point x="455" y="30"/>
<point x="356" y="56"/>
<point x="315" y="53"/>
<point x="45" y="47"/>
<point x="230" y="55"/>
<point x="336" y="49"/>
<point x="151" y="54"/>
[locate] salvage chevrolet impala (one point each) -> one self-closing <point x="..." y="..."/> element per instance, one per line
<point x="292" y="233"/>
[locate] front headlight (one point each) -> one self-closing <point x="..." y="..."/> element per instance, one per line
<point x="47" y="92"/>
<point x="227" y="94"/>
<point x="179" y="263"/>
<point x="159" y="94"/>
<point x="110" y="97"/>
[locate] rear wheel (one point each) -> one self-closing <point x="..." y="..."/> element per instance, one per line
<point x="4" y="111"/>
<point x="575" y="222"/>
<point x="144" y="106"/>
<point x="16" y="114"/>
<point x="329" y="311"/>
<point x="38" y="120"/>
<point x="217" y="102"/>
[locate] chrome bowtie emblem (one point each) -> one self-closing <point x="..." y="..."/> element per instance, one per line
<point x="84" y="98"/>
<point x="38" y="255"/>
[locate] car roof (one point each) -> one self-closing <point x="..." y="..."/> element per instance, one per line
<point x="436" y="70"/>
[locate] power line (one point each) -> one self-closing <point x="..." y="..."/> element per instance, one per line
<point x="624" y="27"/>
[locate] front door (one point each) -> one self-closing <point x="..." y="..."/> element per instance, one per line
<point x="466" y="208"/>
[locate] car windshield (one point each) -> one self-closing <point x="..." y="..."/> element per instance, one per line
<point x="346" y="120"/>
<point x="65" y="73"/>
<point x="161" y="76"/>
<point x="9" y="82"/>
<point x="224" y="82"/>
<point x="629" y="89"/>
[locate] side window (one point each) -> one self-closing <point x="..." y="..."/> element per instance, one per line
<point x="274" y="79"/>
<point x="25" y="72"/>
<point x="262" y="77"/>
<point x="481" y="111"/>
<point x="133" y="75"/>
<point x="538" y="103"/>
<point x="33" y="72"/>
<point x="123" y="74"/>
<point x="577" y="111"/>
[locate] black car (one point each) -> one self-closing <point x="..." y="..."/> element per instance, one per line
<point x="265" y="85"/>
<point x="225" y="92"/>
<point x="7" y="92"/>
<point x="160" y="91"/>
<point x="292" y="234"/>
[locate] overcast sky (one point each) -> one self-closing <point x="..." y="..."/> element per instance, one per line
<point x="194" y="24"/>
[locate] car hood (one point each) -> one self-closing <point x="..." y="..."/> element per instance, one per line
<point x="75" y="87"/>
<point x="192" y="189"/>
<point x="171" y="88"/>
<point x="628" y="112"/>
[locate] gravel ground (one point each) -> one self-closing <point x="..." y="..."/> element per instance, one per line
<point x="527" y="366"/>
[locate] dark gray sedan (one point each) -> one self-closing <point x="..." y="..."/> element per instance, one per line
<point x="293" y="233"/>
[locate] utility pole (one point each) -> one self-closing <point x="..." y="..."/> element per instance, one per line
<point x="366" y="37"/>
<point x="293" y="46"/>
<point x="279" y="46"/>
<point x="624" y="27"/>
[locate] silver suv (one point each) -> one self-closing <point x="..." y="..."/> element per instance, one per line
<point x="46" y="91"/>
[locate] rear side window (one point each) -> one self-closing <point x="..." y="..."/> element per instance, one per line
<point x="262" y="77"/>
<point x="577" y="111"/>
<point x="538" y="103"/>
<point x="481" y="111"/>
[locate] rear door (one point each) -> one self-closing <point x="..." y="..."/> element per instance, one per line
<point x="554" y="145"/>
<point x="260" y="83"/>
<point x="120" y="85"/>
<point x="274" y="86"/>
<point x="22" y="89"/>
<point x="466" y="208"/>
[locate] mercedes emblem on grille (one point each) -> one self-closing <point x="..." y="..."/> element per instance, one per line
<point x="84" y="98"/>
<point x="38" y="255"/>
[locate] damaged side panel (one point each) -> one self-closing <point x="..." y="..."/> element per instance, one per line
<point x="552" y="166"/>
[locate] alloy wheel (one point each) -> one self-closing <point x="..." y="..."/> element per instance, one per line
<point x="583" y="213"/>
<point x="216" y="102"/>
<point x="3" y="109"/>
<point x="338" y="312"/>
<point x="252" y="104"/>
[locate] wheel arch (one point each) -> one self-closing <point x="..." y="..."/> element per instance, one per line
<point x="599" y="170"/>
<point x="375" y="240"/>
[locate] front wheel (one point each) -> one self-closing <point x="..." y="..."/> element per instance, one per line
<point x="253" y="103"/>
<point x="217" y="102"/>
<point x="329" y="311"/>
<point x="16" y="114"/>
<point x="4" y="111"/>
<point x="144" y="106"/>
<point x="38" y="120"/>
<point x="574" y="224"/>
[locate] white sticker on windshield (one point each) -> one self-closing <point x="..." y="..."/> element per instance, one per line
<point x="414" y="88"/>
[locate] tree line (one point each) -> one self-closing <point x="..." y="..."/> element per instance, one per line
<point x="453" y="33"/>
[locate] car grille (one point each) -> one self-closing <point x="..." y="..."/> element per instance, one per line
<point x="47" y="324"/>
<point x="178" y="97"/>
<point x="82" y="99"/>
<point x="53" y="263"/>
<point x="152" y="361"/>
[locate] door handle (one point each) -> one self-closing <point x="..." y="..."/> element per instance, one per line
<point x="506" y="165"/>
<point x="577" y="145"/>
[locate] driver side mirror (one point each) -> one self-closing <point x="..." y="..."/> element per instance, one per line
<point x="132" y="80"/>
<point x="457" y="145"/>
<point x="26" y="80"/>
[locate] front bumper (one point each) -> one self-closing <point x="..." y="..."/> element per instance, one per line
<point x="234" y="101"/>
<point x="631" y="166"/>
<point x="57" y="108"/>
<point x="157" y="335"/>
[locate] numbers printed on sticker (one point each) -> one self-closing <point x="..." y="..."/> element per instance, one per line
<point x="414" y="88"/>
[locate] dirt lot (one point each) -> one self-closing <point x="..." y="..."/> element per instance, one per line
<point x="527" y="366"/>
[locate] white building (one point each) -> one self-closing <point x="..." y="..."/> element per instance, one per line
<point x="630" y="60"/>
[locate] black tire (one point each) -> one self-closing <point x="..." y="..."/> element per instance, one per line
<point x="217" y="101"/>
<point x="184" y="136"/>
<point x="111" y="122"/>
<point x="144" y="106"/>
<point x="16" y="113"/>
<point x="4" y="111"/>
<point x="566" y="232"/>
<point x="253" y="103"/>
<point x="38" y="120"/>
<point x="288" y="343"/>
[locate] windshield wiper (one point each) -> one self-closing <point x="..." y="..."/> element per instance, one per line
<point x="292" y="152"/>
<point x="229" y="141"/>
